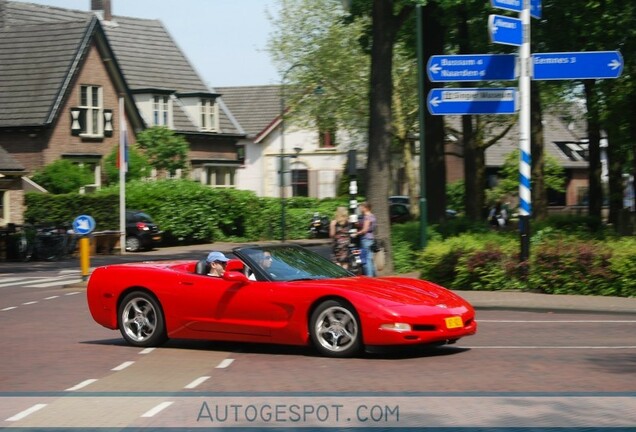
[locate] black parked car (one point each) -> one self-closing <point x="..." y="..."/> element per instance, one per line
<point x="141" y="232"/>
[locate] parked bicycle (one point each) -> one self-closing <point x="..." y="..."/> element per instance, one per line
<point x="47" y="243"/>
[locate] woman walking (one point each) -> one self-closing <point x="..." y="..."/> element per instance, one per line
<point x="339" y="232"/>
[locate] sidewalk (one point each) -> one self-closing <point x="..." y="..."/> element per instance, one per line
<point x="506" y="300"/>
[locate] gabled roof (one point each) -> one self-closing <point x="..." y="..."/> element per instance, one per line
<point x="35" y="61"/>
<point x="146" y="53"/>
<point x="257" y="108"/>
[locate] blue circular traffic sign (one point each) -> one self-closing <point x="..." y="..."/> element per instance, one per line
<point x="83" y="224"/>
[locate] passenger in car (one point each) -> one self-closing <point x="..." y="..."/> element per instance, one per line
<point x="265" y="262"/>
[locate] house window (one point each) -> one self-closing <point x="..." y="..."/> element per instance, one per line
<point x="300" y="182"/>
<point x="91" y="102"/>
<point x="220" y="176"/>
<point x="327" y="139"/>
<point x="160" y="110"/>
<point x="209" y="117"/>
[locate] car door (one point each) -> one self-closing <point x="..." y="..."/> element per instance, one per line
<point x="213" y="304"/>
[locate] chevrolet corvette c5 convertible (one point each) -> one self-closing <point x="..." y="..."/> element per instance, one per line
<point x="279" y="294"/>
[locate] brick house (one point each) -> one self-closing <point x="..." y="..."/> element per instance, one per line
<point x="62" y="74"/>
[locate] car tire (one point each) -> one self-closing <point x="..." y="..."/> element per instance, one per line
<point x="140" y="320"/>
<point x="335" y="329"/>
<point x="133" y="244"/>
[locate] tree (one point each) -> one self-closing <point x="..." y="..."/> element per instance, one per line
<point x="63" y="176"/>
<point x="138" y="165"/>
<point x="166" y="151"/>
<point x="554" y="178"/>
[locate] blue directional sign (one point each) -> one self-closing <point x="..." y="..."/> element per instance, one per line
<point x="511" y="5"/>
<point x="505" y="30"/>
<point x="479" y="67"/>
<point x="517" y="6"/>
<point x="460" y="101"/>
<point x="535" y="9"/>
<point x="577" y="65"/>
<point x="83" y="225"/>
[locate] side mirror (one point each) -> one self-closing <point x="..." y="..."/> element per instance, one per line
<point x="235" y="276"/>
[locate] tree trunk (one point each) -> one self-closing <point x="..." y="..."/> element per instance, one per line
<point x="380" y="118"/>
<point x="433" y="43"/>
<point x="595" y="193"/>
<point x="615" y="172"/>
<point x="537" y="150"/>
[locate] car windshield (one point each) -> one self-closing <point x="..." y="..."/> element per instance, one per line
<point x="288" y="263"/>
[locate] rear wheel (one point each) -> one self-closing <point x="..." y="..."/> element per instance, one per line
<point x="141" y="321"/>
<point x="335" y="329"/>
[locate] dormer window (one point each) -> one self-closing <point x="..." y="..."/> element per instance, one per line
<point x="209" y="115"/>
<point x="160" y="110"/>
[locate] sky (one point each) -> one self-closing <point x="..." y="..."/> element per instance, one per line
<point x="225" y="40"/>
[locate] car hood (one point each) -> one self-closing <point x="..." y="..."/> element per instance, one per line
<point x="396" y="290"/>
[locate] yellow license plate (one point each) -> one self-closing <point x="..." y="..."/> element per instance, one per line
<point x="454" y="322"/>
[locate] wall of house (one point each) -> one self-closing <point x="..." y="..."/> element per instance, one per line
<point x="93" y="72"/>
<point x="251" y="178"/>
<point x="13" y="201"/>
<point x="578" y="180"/>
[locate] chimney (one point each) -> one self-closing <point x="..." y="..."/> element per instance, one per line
<point x="102" y="8"/>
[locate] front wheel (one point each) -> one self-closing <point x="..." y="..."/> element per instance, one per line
<point x="335" y="329"/>
<point x="140" y="320"/>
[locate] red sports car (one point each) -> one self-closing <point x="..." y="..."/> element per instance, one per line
<point x="294" y="296"/>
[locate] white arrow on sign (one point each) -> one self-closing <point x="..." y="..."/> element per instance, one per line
<point x="435" y="68"/>
<point x="435" y="101"/>
<point x="614" y="64"/>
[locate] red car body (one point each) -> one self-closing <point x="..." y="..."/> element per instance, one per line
<point x="388" y="310"/>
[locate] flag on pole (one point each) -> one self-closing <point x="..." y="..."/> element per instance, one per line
<point x="122" y="150"/>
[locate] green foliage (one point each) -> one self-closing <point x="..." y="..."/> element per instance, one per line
<point x="554" y="177"/>
<point x="560" y="263"/>
<point x="138" y="166"/>
<point x="455" y="195"/>
<point x="165" y="150"/>
<point x="63" y="176"/>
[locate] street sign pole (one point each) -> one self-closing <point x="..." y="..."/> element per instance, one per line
<point x="525" y="157"/>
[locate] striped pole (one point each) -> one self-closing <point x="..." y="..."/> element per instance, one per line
<point x="525" y="158"/>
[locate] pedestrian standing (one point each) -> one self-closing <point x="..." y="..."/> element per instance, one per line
<point x="367" y="238"/>
<point x="339" y="232"/>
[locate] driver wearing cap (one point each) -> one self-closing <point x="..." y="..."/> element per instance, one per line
<point x="217" y="262"/>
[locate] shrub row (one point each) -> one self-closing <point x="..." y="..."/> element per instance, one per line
<point x="186" y="211"/>
<point x="559" y="264"/>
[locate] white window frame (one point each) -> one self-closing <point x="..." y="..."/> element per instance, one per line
<point x="209" y="115"/>
<point x="161" y="106"/>
<point x="94" y="121"/>
<point x="219" y="176"/>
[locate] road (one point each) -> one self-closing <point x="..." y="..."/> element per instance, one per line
<point x="60" y="369"/>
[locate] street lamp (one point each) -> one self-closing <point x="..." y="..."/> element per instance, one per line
<point x="282" y="149"/>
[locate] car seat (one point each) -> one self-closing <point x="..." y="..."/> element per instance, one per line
<point x="202" y="267"/>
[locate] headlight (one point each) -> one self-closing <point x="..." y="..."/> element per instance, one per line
<point x="400" y="327"/>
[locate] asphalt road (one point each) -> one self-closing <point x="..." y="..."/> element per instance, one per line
<point x="60" y="369"/>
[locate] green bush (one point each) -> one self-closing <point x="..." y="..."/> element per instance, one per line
<point x="63" y="176"/>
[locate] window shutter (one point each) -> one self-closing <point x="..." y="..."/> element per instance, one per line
<point x="108" y="123"/>
<point x="78" y="121"/>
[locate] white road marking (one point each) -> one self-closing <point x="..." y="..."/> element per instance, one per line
<point x="81" y="385"/>
<point x="50" y="298"/>
<point x="146" y="351"/>
<point x="54" y="283"/>
<point x="40" y="282"/>
<point x="29" y="303"/>
<point x="559" y="321"/>
<point x="225" y="363"/>
<point x="123" y="366"/>
<point x="9" y="308"/>
<point x="72" y="293"/>
<point x="26" y="412"/>
<point x="153" y="411"/>
<point x="196" y="382"/>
